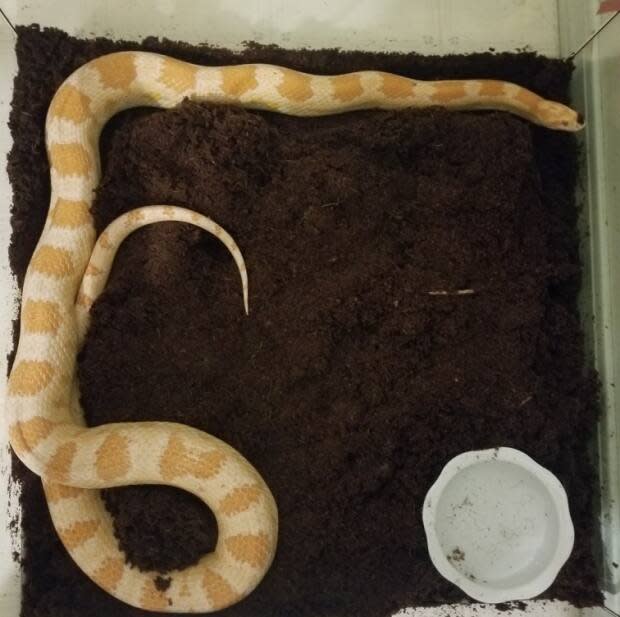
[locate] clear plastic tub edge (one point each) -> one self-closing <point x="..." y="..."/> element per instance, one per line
<point x="595" y="91"/>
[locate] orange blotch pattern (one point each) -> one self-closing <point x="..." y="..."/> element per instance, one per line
<point x="72" y="214"/>
<point x="239" y="500"/>
<point x="179" y="76"/>
<point x="78" y="533"/>
<point x="29" y="377"/>
<point x="491" y="87"/>
<point x="70" y="104"/>
<point x="237" y="80"/>
<point x="104" y="240"/>
<point x="396" y="87"/>
<point x="112" y="457"/>
<point x="218" y="590"/>
<point x="109" y="574"/>
<point x="116" y="70"/>
<point x="52" y="261"/>
<point x="58" y="492"/>
<point x="449" y="91"/>
<point x="347" y="87"/>
<point x="84" y="300"/>
<point x="69" y="159"/>
<point x="135" y="216"/>
<point x="152" y="599"/>
<point x="249" y="548"/>
<point x="41" y="317"/>
<point x="60" y="463"/>
<point x="177" y="460"/>
<point x="295" y="86"/>
<point x="25" y="436"/>
<point x="92" y="270"/>
<point x="527" y="99"/>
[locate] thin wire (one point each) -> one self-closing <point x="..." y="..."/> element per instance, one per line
<point x="8" y="21"/>
<point x="594" y="35"/>
<point x="608" y="610"/>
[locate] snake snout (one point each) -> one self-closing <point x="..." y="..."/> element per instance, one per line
<point x="560" y="117"/>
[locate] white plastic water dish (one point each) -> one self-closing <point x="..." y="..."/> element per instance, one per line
<point x="498" y="525"/>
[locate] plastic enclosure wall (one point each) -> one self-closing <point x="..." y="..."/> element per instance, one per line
<point x="551" y="27"/>
<point x="596" y="93"/>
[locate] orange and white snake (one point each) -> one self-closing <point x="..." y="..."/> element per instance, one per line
<point x="68" y="270"/>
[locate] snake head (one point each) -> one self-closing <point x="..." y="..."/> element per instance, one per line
<point x="559" y="117"/>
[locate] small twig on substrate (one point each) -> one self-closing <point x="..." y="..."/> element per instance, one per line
<point x="458" y="292"/>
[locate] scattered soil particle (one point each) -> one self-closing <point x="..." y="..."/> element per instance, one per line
<point x="456" y="555"/>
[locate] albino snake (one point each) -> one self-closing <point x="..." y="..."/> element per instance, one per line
<point x="46" y="426"/>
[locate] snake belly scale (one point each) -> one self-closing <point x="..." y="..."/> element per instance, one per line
<point x="69" y="269"/>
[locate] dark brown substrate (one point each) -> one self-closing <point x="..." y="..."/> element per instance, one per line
<point x="349" y="386"/>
